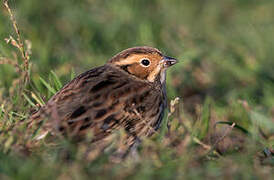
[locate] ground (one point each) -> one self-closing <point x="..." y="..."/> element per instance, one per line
<point x="220" y="126"/>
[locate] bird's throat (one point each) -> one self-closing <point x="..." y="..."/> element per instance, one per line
<point x="163" y="76"/>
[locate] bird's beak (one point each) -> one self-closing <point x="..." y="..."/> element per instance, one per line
<point x="169" y="61"/>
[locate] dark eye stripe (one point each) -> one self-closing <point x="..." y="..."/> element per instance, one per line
<point x="125" y="68"/>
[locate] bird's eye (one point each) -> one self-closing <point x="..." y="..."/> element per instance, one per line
<point x="145" y="62"/>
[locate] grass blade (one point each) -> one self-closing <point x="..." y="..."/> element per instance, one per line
<point x="48" y="86"/>
<point x="236" y="126"/>
<point x="28" y="99"/>
<point x="56" y="80"/>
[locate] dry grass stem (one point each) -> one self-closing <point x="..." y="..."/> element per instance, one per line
<point x="18" y="43"/>
<point x="24" y="49"/>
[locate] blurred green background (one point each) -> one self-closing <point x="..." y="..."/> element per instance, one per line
<point x="225" y="49"/>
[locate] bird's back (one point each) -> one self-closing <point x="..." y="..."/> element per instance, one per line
<point x="104" y="99"/>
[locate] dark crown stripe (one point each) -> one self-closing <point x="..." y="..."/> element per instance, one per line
<point x="136" y="50"/>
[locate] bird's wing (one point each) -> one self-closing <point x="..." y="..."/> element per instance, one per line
<point x="102" y="99"/>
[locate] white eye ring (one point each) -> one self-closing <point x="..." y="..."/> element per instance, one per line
<point x="145" y="62"/>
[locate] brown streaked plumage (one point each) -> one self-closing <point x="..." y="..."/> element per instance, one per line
<point x="128" y="92"/>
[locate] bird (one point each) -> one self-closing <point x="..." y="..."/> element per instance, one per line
<point x="128" y="92"/>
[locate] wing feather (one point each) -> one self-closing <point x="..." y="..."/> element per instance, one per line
<point x="104" y="99"/>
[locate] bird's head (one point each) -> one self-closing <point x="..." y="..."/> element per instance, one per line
<point x="144" y="62"/>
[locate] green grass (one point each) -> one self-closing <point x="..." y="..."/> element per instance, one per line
<point x="225" y="76"/>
